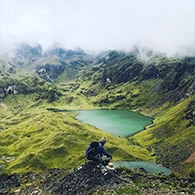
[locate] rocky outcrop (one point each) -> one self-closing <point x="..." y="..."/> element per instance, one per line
<point x="90" y="178"/>
<point x="8" y="182"/>
<point x="191" y="113"/>
<point x="11" y="89"/>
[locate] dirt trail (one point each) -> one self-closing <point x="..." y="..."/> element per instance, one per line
<point x="191" y="158"/>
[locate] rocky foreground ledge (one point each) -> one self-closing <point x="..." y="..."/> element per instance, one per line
<point x="94" y="179"/>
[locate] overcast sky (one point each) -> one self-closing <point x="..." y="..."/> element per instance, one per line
<point x="166" y="25"/>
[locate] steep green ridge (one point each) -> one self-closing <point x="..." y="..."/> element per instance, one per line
<point x="172" y="137"/>
<point x="34" y="138"/>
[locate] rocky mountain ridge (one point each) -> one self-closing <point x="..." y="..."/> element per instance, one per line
<point x="52" y="63"/>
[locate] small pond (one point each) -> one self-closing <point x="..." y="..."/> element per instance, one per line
<point x="117" y="122"/>
<point x="148" y="166"/>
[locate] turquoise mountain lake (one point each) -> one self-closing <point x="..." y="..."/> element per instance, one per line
<point x="117" y="122"/>
<point x="148" y="166"/>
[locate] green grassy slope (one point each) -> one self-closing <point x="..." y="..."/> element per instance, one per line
<point x="35" y="139"/>
<point x="172" y="137"/>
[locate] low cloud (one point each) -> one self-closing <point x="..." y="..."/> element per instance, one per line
<point x="167" y="26"/>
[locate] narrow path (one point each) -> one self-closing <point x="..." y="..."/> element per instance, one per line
<point x="191" y="158"/>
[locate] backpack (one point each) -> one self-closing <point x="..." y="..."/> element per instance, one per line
<point x="90" y="155"/>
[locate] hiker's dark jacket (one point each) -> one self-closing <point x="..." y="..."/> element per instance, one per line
<point x="99" y="152"/>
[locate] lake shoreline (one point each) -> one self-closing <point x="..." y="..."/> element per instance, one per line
<point x="106" y="109"/>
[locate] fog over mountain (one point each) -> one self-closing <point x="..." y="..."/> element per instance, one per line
<point x="167" y="26"/>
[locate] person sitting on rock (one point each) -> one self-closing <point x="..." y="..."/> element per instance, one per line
<point x="96" y="152"/>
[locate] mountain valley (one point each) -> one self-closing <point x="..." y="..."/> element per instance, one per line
<point x="36" y="86"/>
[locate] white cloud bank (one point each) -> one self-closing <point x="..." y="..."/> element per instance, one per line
<point x="166" y="25"/>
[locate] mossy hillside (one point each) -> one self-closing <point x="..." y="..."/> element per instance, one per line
<point x="158" y="80"/>
<point x="38" y="139"/>
<point x="172" y="137"/>
<point x="29" y="85"/>
<point x="138" y="96"/>
<point x="128" y="96"/>
<point x="168" y="122"/>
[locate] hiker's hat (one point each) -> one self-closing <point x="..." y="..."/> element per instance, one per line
<point x="103" y="140"/>
<point x="110" y="166"/>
